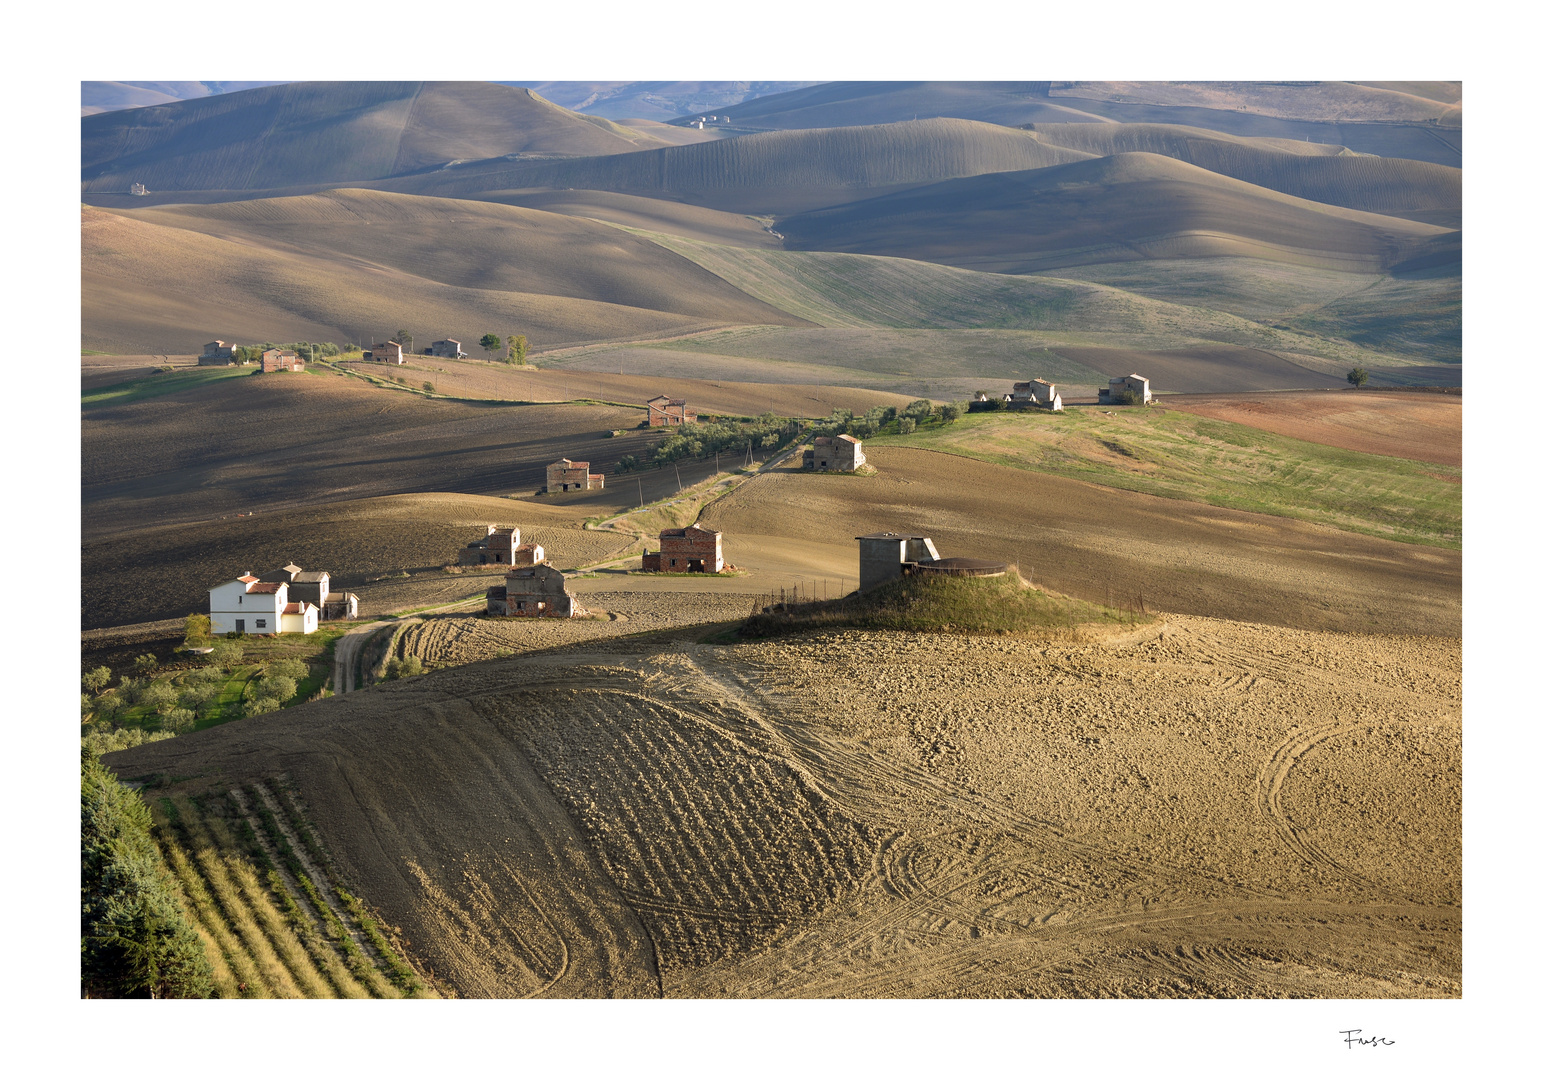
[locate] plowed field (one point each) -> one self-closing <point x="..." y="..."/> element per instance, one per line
<point x="1202" y="809"/>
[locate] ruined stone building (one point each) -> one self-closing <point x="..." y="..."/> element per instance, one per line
<point x="534" y="592"/>
<point x="218" y="354"/>
<point x="568" y="475"/>
<point x="496" y="546"/>
<point x="385" y="352"/>
<point x="1139" y="388"/>
<point x="282" y="360"/>
<point x="885" y="556"/>
<point x="665" y="411"/>
<point x="448" y="348"/>
<point x="692" y="550"/>
<point x="841" y="454"/>
<point x="1035" y="394"/>
<point x="529" y="553"/>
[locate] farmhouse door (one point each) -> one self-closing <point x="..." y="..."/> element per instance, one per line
<point x="240" y="626"/>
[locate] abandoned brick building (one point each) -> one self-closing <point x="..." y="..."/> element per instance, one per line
<point x="665" y="411"/>
<point x="282" y="360"/>
<point x="448" y="348"/>
<point x="692" y="550"/>
<point x="1138" y="387"/>
<point x="568" y="475"/>
<point x="385" y="352"/>
<point x="534" y="592"/>
<point x="841" y="454"/>
<point x="501" y="547"/>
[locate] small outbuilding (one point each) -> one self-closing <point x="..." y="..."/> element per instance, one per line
<point x="282" y="360"/>
<point x="1036" y="394"/>
<point x="885" y="556"/>
<point x="529" y="553"/>
<point x="568" y="475"/>
<point x="448" y="348"/>
<point x="314" y="587"/>
<point x="385" y="352"/>
<point x="218" y="354"/>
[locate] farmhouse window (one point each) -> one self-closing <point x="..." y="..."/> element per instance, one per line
<point x="262" y="624"/>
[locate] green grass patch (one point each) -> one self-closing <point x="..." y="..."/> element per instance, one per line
<point x="159" y="385"/>
<point x="1182" y="456"/>
<point x="941" y="604"/>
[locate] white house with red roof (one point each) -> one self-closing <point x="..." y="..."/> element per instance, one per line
<point x="249" y="605"/>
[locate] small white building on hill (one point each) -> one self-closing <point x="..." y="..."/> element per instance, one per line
<point x="249" y="605"/>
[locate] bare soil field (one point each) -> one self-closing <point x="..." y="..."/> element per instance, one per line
<point x="99" y="370"/>
<point x="1424" y="427"/>
<point x="1104" y="544"/>
<point x="388" y="550"/>
<point x="1206" y="809"/>
<point x="496" y="381"/>
<point x="270" y="442"/>
<point x="1213" y="369"/>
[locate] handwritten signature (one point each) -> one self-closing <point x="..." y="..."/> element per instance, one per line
<point x="1353" y="1039"/>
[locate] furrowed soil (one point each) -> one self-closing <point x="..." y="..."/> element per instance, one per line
<point x="1102" y="544"/>
<point x="1422" y="427"/>
<point x="1201" y="809"/>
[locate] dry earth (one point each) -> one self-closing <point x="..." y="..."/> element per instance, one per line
<point x="1101" y="544"/>
<point x="1212" y="809"/>
<point x="1423" y="427"/>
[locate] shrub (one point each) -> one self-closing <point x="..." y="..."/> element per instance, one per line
<point x="907" y="425"/>
<point x="293" y="669"/>
<point x="146" y="662"/>
<point x="429" y="387"/>
<point x="198" y="696"/>
<point x="157" y="695"/>
<point x="226" y="654"/>
<point x="919" y="409"/>
<point x="412" y="666"/>
<point x="952" y="411"/>
<point x="178" y="720"/>
<point x="96" y="679"/>
<point x="278" y="687"/>
<point x="260" y="706"/>
<point x="196" y="632"/>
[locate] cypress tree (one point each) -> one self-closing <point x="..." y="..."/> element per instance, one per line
<point x="135" y="939"/>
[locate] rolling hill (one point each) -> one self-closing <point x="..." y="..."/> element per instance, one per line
<point x="343" y="265"/>
<point x="331" y="133"/>
<point x="775" y="172"/>
<point x="1313" y="171"/>
<point x="1121" y="207"/>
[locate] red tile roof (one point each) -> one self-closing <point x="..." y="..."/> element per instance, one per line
<point x="265" y="587"/>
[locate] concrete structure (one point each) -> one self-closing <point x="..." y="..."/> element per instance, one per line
<point x="385" y="352"/>
<point x="282" y="360"/>
<point x="959" y="567"/>
<point x="449" y="347"/>
<point x="841" y="454"/>
<point x="692" y="550"/>
<point x="568" y="475"/>
<point x="217" y="354"/>
<point x="249" y="605"/>
<point x="497" y="546"/>
<point x="1035" y="394"/>
<point x="885" y="556"/>
<point x="664" y="411"/>
<point x="529" y="554"/>
<point x="533" y="592"/>
<point x="314" y="587"/>
<point x="1139" y="388"/>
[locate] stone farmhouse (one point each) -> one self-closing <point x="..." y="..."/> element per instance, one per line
<point x="665" y="411"/>
<point x="502" y="546"/>
<point x="218" y="354"/>
<point x="449" y="348"/>
<point x="568" y="475"/>
<point x="692" y="550"/>
<point x="282" y="360"/>
<point x="1139" y="388"/>
<point x="385" y="352"/>
<point x="841" y="454"/>
<point x="1037" y="394"/>
<point x="315" y="587"/>
<point x="249" y="605"/>
<point x="534" y="592"/>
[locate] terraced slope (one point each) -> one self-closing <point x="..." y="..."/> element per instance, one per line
<point x="330" y="133"/>
<point x="1121" y="207"/>
<point x="770" y="173"/>
<point x="1313" y="171"/>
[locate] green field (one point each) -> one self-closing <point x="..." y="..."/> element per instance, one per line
<point x="161" y="384"/>
<point x="1181" y="456"/>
